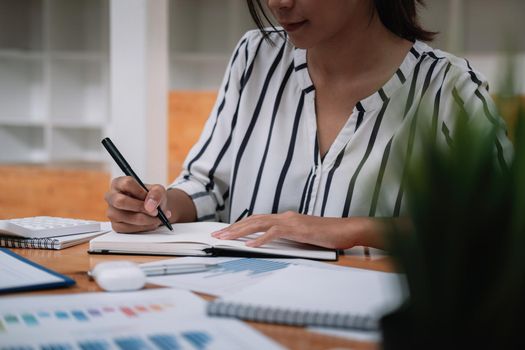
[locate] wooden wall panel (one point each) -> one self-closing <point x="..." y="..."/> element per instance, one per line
<point x="36" y="190"/>
<point x="508" y="108"/>
<point x="188" y="111"/>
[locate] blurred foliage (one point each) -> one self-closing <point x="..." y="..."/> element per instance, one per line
<point x="464" y="257"/>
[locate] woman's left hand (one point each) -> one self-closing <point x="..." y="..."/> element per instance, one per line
<point x="334" y="233"/>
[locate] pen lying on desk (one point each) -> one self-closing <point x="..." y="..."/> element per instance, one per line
<point x="172" y="269"/>
<point x="126" y="267"/>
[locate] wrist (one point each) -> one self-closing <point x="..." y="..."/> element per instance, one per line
<point x="181" y="206"/>
<point x="369" y="232"/>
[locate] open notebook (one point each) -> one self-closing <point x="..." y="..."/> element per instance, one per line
<point x="194" y="239"/>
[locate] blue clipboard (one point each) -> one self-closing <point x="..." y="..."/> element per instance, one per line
<point x="65" y="281"/>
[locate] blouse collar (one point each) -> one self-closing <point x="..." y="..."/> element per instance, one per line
<point x="375" y="100"/>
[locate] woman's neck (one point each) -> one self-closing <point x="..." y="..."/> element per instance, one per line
<point x="361" y="49"/>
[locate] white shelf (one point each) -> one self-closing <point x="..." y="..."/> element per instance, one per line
<point x="78" y="91"/>
<point x="6" y="121"/>
<point x="77" y="124"/>
<point x="53" y="80"/>
<point x="200" y="73"/>
<point x="21" y="24"/>
<point x="484" y="32"/>
<point x="203" y="34"/>
<point x="21" y="55"/>
<point x="493" y="26"/>
<point x="76" y="144"/>
<point x="22" y="144"/>
<point x="79" y="25"/>
<point x="95" y="56"/>
<point x="22" y="92"/>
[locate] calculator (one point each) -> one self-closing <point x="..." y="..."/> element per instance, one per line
<point x="46" y="226"/>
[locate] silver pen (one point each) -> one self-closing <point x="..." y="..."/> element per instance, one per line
<point x="172" y="269"/>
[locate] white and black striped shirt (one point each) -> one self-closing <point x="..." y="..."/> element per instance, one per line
<point x="259" y="149"/>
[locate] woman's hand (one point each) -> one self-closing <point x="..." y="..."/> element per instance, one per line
<point x="335" y="233"/>
<point x="131" y="208"/>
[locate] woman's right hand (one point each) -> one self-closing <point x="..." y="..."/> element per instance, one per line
<point x="131" y="208"/>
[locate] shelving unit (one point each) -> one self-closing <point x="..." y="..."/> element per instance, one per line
<point x="54" y="62"/>
<point x="53" y="80"/>
<point x="484" y="32"/>
<point x="203" y="34"/>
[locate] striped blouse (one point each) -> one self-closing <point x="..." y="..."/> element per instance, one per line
<point x="259" y="149"/>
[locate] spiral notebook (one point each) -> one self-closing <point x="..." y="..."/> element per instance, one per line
<point x="56" y="243"/>
<point x="306" y="296"/>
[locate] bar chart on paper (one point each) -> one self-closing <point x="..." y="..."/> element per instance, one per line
<point x="161" y="319"/>
<point x="230" y="275"/>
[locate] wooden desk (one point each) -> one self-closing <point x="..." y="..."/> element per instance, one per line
<point x="75" y="262"/>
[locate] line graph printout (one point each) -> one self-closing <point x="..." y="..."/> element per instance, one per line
<point x="161" y="319"/>
<point x="231" y="275"/>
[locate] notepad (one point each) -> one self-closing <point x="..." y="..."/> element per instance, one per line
<point x="194" y="239"/>
<point x="18" y="274"/>
<point x="306" y="296"/>
<point x="59" y="242"/>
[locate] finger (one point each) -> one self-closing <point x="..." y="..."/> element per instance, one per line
<point x="128" y="185"/>
<point x="124" y="202"/>
<point x="155" y="197"/>
<point x="272" y="234"/>
<point x="248" y="226"/>
<point x="133" y="218"/>
<point x="216" y="234"/>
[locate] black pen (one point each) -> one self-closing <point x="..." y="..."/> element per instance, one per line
<point x="124" y="166"/>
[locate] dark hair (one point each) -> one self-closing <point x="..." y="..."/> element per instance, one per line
<point x="399" y="16"/>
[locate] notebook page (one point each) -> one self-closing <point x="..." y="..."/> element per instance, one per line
<point x="199" y="232"/>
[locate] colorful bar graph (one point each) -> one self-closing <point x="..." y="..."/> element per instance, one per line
<point x="94" y="345"/>
<point x="94" y="312"/>
<point x="56" y="347"/>
<point x="128" y="311"/>
<point x="131" y="343"/>
<point x="252" y="266"/>
<point x="30" y="320"/>
<point x="198" y="339"/>
<point x="141" y="308"/>
<point x="11" y="319"/>
<point x="79" y="315"/>
<point x="165" y="342"/>
<point x="155" y="307"/>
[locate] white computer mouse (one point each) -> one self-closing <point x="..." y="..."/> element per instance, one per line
<point x="118" y="276"/>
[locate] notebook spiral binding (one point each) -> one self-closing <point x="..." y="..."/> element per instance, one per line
<point x="34" y="243"/>
<point x="291" y="317"/>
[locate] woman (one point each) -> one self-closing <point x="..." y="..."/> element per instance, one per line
<point x="315" y="125"/>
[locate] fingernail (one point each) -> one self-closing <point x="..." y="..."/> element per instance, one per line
<point x="150" y="205"/>
<point x="168" y="214"/>
<point x="250" y="243"/>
